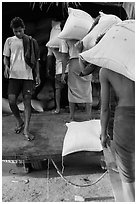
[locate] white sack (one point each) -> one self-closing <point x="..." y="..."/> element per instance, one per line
<point x="55" y="29"/>
<point x="54" y="41"/>
<point x="37" y="105"/>
<point x="116" y="50"/>
<point x="77" y="24"/>
<point x="21" y="106"/>
<point x="82" y="136"/>
<point x="106" y="21"/>
<point x="5" y="106"/>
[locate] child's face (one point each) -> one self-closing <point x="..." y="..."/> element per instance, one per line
<point x="18" y="32"/>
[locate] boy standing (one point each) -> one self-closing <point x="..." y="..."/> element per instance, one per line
<point x="21" y="55"/>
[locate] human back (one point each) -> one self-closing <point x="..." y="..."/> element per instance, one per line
<point x="124" y="88"/>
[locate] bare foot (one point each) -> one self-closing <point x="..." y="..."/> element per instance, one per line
<point x="19" y="128"/>
<point x="29" y="136"/>
<point x="71" y="119"/>
<point x="57" y="111"/>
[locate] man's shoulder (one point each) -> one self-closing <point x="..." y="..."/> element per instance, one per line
<point x="31" y="38"/>
<point x="103" y="72"/>
<point x="106" y="75"/>
<point x="11" y="38"/>
<point x="106" y="72"/>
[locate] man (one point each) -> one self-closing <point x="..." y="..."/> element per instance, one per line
<point x="58" y="73"/>
<point x="124" y="126"/>
<point x="118" y="73"/>
<point x="21" y="55"/>
<point x="79" y="88"/>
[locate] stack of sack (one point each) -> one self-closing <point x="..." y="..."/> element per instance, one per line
<point x="106" y="21"/>
<point x="77" y="25"/>
<point x="116" y="50"/>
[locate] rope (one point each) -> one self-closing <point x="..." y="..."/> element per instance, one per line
<point x="48" y="181"/>
<point x="77" y="185"/>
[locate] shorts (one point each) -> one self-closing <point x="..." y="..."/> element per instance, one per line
<point x="58" y="83"/>
<point x="124" y="142"/>
<point x="16" y="86"/>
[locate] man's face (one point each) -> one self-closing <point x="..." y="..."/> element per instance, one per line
<point x="18" y="32"/>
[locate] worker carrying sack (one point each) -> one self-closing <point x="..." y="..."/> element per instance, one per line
<point x="116" y="50"/>
<point x="54" y="41"/>
<point x="106" y="21"/>
<point x="77" y="25"/>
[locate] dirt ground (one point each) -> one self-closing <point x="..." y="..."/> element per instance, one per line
<point x="44" y="184"/>
<point x="47" y="186"/>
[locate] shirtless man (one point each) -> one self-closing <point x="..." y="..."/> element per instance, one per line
<point x="124" y="126"/>
<point x="115" y="47"/>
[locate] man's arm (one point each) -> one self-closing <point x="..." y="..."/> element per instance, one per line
<point x="86" y="68"/>
<point x="64" y="49"/>
<point x="64" y="65"/>
<point x="64" y="62"/>
<point x="105" y="110"/>
<point x="6" y="66"/>
<point x="37" y="78"/>
<point x="37" y="56"/>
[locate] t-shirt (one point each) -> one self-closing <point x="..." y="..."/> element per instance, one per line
<point x="56" y="52"/>
<point x="69" y="47"/>
<point x="13" y="48"/>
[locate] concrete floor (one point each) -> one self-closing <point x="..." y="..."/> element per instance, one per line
<point x="43" y="182"/>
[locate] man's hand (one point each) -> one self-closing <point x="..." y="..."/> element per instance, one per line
<point x="105" y="140"/>
<point x="63" y="79"/>
<point x="37" y="81"/>
<point x="79" y="46"/>
<point x="6" y="71"/>
<point x="81" y="74"/>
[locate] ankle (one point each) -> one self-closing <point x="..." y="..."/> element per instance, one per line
<point x="19" y="121"/>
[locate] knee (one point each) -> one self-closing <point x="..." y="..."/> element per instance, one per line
<point x="58" y="91"/>
<point x="12" y="100"/>
<point x="27" y="100"/>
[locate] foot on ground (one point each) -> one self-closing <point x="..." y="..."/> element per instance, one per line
<point x="56" y="111"/>
<point x="19" y="128"/>
<point x="70" y="120"/>
<point x="29" y="136"/>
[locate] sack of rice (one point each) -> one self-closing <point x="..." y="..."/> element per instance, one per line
<point x="55" y="29"/>
<point x="82" y="136"/>
<point x="54" y="41"/>
<point x="5" y="106"/>
<point x="106" y="21"/>
<point x="116" y="50"/>
<point x="77" y="24"/>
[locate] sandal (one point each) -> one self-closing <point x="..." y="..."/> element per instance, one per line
<point x="19" y="128"/>
<point x="29" y="136"/>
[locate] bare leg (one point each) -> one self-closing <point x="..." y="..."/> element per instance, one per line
<point x="14" y="108"/>
<point x="129" y="191"/>
<point x="128" y="188"/>
<point x="58" y="96"/>
<point x="27" y="116"/>
<point x="89" y="110"/>
<point x="72" y="110"/>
